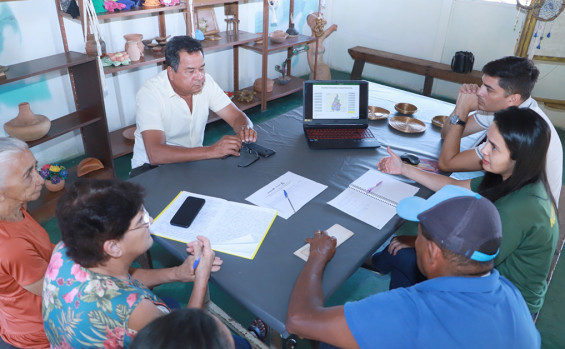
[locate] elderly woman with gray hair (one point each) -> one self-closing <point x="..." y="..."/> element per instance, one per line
<point x="25" y="248"/>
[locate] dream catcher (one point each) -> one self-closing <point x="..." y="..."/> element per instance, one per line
<point x="544" y="11"/>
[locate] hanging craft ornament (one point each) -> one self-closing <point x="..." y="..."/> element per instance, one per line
<point x="273" y="5"/>
<point x="542" y="10"/>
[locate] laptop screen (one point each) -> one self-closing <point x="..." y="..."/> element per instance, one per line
<point x="333" y="102"/>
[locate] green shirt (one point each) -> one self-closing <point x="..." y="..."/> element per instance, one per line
<point x="529" y="237"/>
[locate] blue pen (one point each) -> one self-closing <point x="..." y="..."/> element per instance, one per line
<point x="196" y="261"/>
<point x="290" y="202"/>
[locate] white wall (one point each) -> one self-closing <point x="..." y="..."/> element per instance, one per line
<point x="432" y="29"/>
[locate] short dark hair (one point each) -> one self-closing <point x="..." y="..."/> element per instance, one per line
<point x="91" y="212"/>
<point x="516" y="74"/>
<point x="462" y="263"/>
<point x="177" y="44"/>
<point x="190" y="328"/>
<point x="526" y="135"/>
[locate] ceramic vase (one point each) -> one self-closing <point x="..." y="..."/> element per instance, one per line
<point x="27" y="126"/>
<point x="91" y="45"/>
<point x="54" y="187"/>
<point x="137" y="38"/>
<point x="133" y="50"/>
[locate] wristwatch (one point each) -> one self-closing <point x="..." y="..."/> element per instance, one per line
<point x="454" y="120"/>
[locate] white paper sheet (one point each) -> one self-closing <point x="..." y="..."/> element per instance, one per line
<point x="340" y="233"/>
<point x="370" y="207"/>
<point x="231" y="227"/>
<point x="300" y="191"/>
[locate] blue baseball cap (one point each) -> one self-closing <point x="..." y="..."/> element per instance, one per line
<point x="460" y="220"/>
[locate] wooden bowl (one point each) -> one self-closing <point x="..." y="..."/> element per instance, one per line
<point x="88" y="165"/>
<point x="378" y="113"/>
<point x="439" y="120"/>
<point x="407" y="124"/>
<point x="278" y="36"/>
<point x="405" y="108"/>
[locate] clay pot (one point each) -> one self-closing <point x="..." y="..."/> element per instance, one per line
<point x="27" y="126"/>
<point x="91" y="45"/>
<point x="54" y="187"/>
<point x="137" y="38"/>
<point x="133" y="50"/>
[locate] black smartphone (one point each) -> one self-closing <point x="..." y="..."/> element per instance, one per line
<point x="187" y="212"/>
<point x="262" y="151"/>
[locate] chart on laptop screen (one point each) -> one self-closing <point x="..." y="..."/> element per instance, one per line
<point x="331" y="101"/>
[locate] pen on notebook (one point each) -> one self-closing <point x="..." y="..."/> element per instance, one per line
<point x="374" y="187"/>
<point x="290" y="202"/>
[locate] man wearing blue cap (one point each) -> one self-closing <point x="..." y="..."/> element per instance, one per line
<point x="465" y="303"/>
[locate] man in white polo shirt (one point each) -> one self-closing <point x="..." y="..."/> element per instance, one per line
<point x="507" y="82"/>
<point x="172" y="111"/>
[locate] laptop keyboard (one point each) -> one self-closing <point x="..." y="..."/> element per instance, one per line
<point x="339" y="133"/>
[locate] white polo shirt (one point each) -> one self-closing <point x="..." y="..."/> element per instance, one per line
<point x="159" y="107"/>
<point x="554" y="160"/>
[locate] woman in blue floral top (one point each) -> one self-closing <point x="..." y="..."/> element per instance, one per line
<point x="91" y="296"/>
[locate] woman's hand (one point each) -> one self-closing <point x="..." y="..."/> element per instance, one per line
<point x="185" y="271"/>
<point x="391" y="164"/>
<point x="400" y="242"/>
<point x="208" y="260"/>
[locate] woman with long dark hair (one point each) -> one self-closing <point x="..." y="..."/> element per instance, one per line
<point x="515" y="181"/>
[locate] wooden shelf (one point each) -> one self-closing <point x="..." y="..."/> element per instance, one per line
<point x="228" y="41"/>
<point x="44" y="65"/>
<point x="295" y="84"/>
<point x="66" y="124"/>
<point x="201" y="3"/>
<point x="43" y="208"/>
<point x="289" y="42"/>
<point x="149" y="57"/>
<point x="120" y="145"/>
<point x="132" y="12"/>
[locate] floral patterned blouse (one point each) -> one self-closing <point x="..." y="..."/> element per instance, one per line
<point x="83" y="309"/>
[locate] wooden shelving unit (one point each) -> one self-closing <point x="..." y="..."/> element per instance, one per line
<point x="121" y="146"/>
<point x="89" y="118"/>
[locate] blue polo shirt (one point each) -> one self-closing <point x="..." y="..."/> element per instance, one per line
<point x="445" y="312"/>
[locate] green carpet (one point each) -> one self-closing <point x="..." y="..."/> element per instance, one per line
<point x="360" y="285"/>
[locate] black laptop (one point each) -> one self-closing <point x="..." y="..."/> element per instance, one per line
<point x="335" y="114"/>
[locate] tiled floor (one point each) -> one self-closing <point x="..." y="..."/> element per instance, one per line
<point x="361" y="283"/>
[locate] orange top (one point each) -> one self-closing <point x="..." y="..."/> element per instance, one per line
<point x="25" y="250"/>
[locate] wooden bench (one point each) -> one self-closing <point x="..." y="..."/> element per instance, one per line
<point x="424" y="67"/>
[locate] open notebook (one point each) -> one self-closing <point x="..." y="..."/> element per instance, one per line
<point x="372" y="198"/>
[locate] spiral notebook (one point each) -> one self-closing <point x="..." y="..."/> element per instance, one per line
<point x="372" y="198"/>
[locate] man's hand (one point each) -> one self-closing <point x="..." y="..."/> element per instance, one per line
<point x="247" y="134"/>
<point x="467" y="101"/>
<point x="469" y="88"/>
<point x="400" y="242"/>
<point x="392" y="164"/>
<point x="322" y="246"/>
<point x="227" y="145"/>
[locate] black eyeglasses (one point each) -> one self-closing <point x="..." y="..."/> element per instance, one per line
<point x="247" y="160"/>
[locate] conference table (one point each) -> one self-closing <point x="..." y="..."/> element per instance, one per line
<point x="263" y="285"/>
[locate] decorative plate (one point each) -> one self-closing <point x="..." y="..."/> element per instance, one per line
<point x="439" y="120"/>
<point x="378" y="113"/>
<point x="128" y="133"/>
<point x="407" y="124"/>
